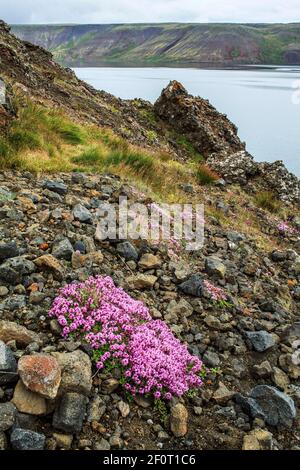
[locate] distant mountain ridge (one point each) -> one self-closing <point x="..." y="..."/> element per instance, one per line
<point x="167" y="43"/>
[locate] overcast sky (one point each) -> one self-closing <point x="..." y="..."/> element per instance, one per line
<point x="133" y="11"/>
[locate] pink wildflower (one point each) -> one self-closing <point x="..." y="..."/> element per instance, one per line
<point x="121" y="332"/>
<point x="215" y="293"/>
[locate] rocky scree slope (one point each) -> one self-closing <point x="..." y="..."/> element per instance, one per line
<point x="50" y="396"/>
<point x="216" y="44"/>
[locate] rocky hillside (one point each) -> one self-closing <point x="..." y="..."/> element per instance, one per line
<point x="153" y="44"/>
<point x="234" y="304"/>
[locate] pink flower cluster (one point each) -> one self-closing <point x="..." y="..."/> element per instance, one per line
<point x="123" y="335"/>
<point x="215" y="293"/>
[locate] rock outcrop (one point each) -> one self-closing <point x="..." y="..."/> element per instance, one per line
<point x="207" y="129"/>
<point x="216" y="138"/>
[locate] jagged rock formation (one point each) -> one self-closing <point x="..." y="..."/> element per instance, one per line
<point x="208" y="130"/>
<point x="215" y="137"/>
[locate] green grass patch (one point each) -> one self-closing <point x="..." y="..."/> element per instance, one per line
<point x="139" y="162"/>
<point x="89" y="157"/>
<point x="189" y="148"/>
<point x="68" y="131"/>
<point x="267" y="200"/>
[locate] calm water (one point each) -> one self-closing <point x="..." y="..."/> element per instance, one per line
<point x="258" y="101"/>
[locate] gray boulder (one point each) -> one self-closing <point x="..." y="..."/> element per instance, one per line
<point x="260" y="340"/>
<point x="8" y="414"/>
<point x="69" y="415"/>
<point x="275" y="407"/>
<point x="12" y="270"/>
<point x="24" y="439"/>
<point x="63" y="249"/>
<point x="127" y="251"/>
<point x="8" y="250"/>
<point x="56" y="187"/>
<point x="82" y="214"/>
<point x="192" y="286"/>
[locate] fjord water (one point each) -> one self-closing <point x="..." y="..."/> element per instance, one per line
<point x="261" y="102"/>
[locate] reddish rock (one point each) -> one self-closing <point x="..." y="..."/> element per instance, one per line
<point x="41" y="374"/>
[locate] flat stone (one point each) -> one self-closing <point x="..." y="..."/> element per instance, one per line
<point x="96" y="409"/>
<point x="192" y="286"/>
<point x="181" y="308"/>
<point x="8" y="414"/>
<point x="128" y="251"/>
<point x="11" y="331"/>
<point x="149" y="261"/>
<point x="213" y="322"/>
<point x="258" y="439"/>
<point x="24" y="439"/>
<point x="222" y="395"/>
<point x="49" y="263"/>
<point x="260" y="340"/>
<point x="198" y="410"/>
<point x="179" y="420"/>
<point x="263" y="370"/>
<point x="8" y="250"/>
<point x="141" y="281"/>
<point x="280" y="378"/>
<point x="41" y="374"/>
<point x="109" y="385"/>
<point x="76" y="372"/>
<point x="103" y="444"/>
<point x="3" y="291"/>
<point x="69" y="414"/>
<point x="28" y="402"/>
<point x="56" y="187"/>
<point x="63" y="441"/>
<point x="211" y="359"/>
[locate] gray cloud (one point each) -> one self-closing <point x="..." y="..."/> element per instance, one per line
<point x="131" y="11"/>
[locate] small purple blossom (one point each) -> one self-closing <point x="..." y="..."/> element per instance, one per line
<point x="285" y="228"/>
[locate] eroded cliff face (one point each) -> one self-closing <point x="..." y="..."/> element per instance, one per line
<point x="223" y="44"/>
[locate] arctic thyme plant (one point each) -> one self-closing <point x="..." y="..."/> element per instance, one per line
<point x="216" y="294"/>
<point x="123" y="335"/>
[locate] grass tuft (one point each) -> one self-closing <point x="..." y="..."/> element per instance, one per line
<point x="91" y="156"/>
<point x="267" y="200"/>
<point x="138" y="161"/>
<point x="205" y="175"/>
